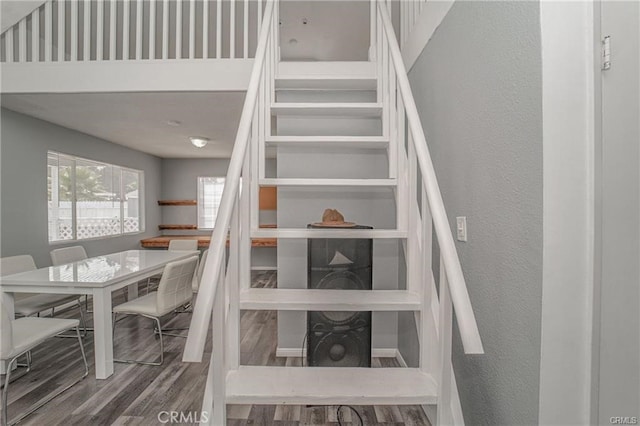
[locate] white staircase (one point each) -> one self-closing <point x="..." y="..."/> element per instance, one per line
<point x="418" y="209"/>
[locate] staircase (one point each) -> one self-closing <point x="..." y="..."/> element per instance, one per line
<point x="275" y="121"/>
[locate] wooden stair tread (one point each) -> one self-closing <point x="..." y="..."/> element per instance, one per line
<point x="328" y="300"/>
<point x="329" y="386"/>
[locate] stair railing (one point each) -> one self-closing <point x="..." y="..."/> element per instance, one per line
<point x="97" y="30"/>
<point x="418" y="188"/>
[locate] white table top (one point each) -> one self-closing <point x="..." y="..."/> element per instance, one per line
<point x="99" y="271"/>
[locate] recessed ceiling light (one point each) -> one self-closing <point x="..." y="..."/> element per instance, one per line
<point x="199" y="141"/>
<point x="174" y="123"/>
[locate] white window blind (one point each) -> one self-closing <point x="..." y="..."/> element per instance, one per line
<point x="209" y="197"/>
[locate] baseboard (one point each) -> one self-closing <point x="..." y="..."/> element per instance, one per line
<point x="264" y="268"/>
<point x="375" y="352"/>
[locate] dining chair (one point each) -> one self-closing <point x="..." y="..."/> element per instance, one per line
<point x="195" y="285"/>
<point x="28" y="304"/>
<point x="19" y="337"/>
<point x="70" y="254"/>
<point x="183" y="245"/>
<point x="175" y="290"/>
<point x="174" y="245"/>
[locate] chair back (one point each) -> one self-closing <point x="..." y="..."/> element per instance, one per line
<point x="67" y="255"/>
<point x="16" y="264"/>
<point x="183" y="245"/>
<point x="6" y="335"/>
<point x="198" y="275"/>
<point x="174" y="289"/>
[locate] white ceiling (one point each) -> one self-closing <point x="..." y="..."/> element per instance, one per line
<point x="139" y="120"/>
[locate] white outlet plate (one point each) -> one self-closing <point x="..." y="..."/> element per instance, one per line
<point x="461" y="228"/>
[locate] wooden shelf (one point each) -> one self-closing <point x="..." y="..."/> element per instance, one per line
<point x="162" y="241"/>
<point x="174" y="227"/>
<point x="177" y="202"/>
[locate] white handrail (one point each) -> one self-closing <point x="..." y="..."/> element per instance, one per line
<point x="459" y="295"/>
<point x="196" y="338"/>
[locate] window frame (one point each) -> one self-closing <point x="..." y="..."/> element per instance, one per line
<point x="74" y="224"/>
<point x="199" y="205"/>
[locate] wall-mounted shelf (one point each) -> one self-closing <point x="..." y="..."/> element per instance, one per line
<point x="177" y="202"/>
<point x="177" y="227"/>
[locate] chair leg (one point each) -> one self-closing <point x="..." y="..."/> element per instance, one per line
<point x="134" y="361"/>
<point x="5" y="391"/>
<point x="83" y="321"/>
<point x="27" y="368"/>
<point x="5" y="416"/>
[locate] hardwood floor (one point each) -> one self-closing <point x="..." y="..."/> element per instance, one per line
<point x="139" y="394"/>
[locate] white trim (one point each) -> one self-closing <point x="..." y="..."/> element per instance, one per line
<point x="264" y="268"/>
<point x="127" y="76"/>
<point x="430" y="19"/>
<point x="568" y="211"/>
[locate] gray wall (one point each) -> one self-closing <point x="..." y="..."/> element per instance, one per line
<point x="619" y="183"/>
<point x="180" y="181"/>
<point x="478" y="88"/>
<point x="25" y="142"/>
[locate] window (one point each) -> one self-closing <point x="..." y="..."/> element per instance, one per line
<point x="209" y="197"/>
<point x="89" y="199"/>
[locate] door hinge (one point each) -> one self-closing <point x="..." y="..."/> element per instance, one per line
<point x="606" y="53"/>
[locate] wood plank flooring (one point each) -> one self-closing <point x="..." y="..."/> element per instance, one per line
<point x="137" y="394"/>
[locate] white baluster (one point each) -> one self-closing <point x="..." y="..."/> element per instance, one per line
<point x="113" y="17"/>
<point x="86" y="27"/>
<point x="22" y="40"/>
<point x="192" y="29"/>
<point x="35" y="36"/>
<point x="100" y="30"/>
<point x="232" y="29"/>
<point x="444" y="414"/>
<point x="218" y="29"/>
<point x="61" y="30"/>
<point x="74" y="31"/>
<point x="245" y="30"/>
<point x="8" y="45"/>
<point x="139" y="27"/>
<point x="126" y="15"/>
<point x="152" y="29"/>
<point x="165" y="29"/>
<point x="178" y="29"/>
<point x="205" y="29"/>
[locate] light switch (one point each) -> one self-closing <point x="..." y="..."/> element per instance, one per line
<point x="461" y="227"/>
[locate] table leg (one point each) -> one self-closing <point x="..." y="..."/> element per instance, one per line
<point x="103" y="333"/>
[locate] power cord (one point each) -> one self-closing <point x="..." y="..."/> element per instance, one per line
<point x="339" y="414"/>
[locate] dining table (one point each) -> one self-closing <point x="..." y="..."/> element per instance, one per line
<point x="97" y="277"/>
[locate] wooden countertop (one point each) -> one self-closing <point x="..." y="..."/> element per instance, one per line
<point x="162" y="241"/>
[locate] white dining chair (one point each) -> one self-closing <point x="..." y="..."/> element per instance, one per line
<point x="195" y="285"/>
<point x="64" y="255"/>
<point x="28" y="304"/>
<point x="174" y="245"/>
<point x="174" y="291"/>
<point x="183" y="245"/>
<point x="19" y="337"/>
